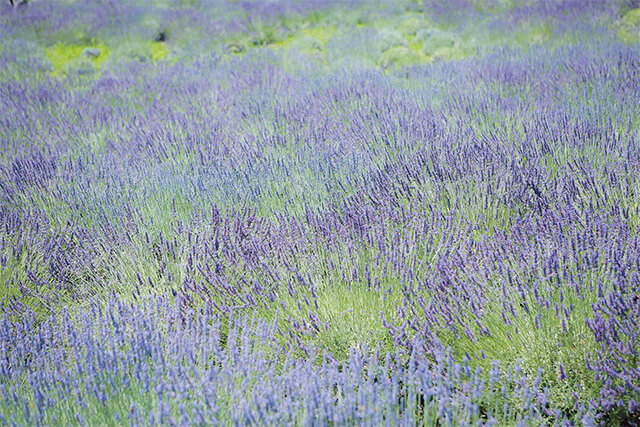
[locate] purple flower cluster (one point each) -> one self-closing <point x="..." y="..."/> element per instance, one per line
<point x="616" y="327"/>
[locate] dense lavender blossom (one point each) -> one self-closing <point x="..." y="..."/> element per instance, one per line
<point x="271" y="221"/>
<point x="173" y="366"/>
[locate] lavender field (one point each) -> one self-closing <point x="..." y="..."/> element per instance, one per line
<point x="337" y="212"/>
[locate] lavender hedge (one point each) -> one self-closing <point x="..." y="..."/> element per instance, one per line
<point x="315" y="213"/>
<point x="151" y="362"/>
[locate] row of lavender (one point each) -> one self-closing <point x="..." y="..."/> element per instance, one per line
<point x="488" y="205"/>
<point x="151" y="363"/>
<point x="47" y="37"/>
<point x="211" y="18"/>
<point x="111" y="18"/>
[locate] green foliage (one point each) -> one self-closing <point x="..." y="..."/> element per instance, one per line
<point x="82" y="58"/>
<point x="400" y="56"/>
<point x="140" y="50"/>
<point x="632" y="17"/>
<point x="629" y="27"/>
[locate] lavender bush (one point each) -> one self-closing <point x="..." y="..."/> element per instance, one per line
<point x="319" y="212"/>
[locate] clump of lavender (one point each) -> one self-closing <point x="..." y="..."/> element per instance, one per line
<point x="616" y="327"/>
